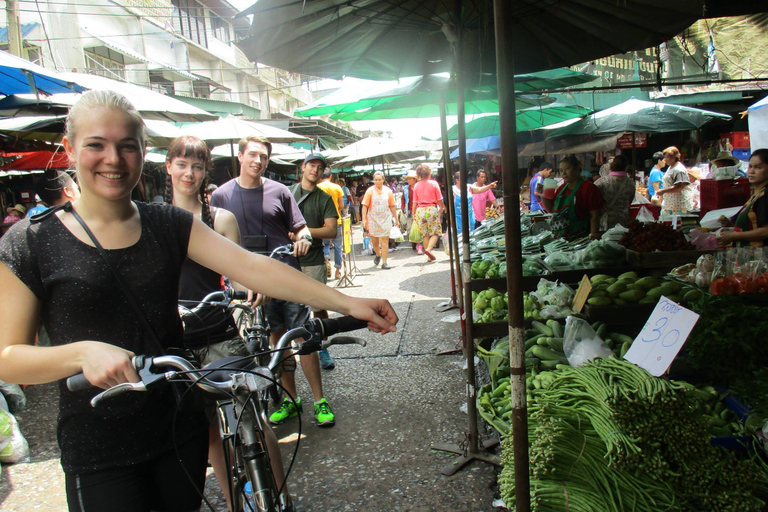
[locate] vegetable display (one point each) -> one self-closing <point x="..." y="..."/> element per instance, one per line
<point x="628" y="288"/>
<point x="608" y="436"/>
<point x="728" y="341"/>
<point x="652" y="236"/>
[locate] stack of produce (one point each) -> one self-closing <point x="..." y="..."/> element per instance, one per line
<point x="544" y="356"/>
<point x="608" y="436"/>
<point x="628" y="288"/>
<point x="602" y="254"/>
<point x="491" y="213"/>
<point x="651" y="236"/>
<point x="550" y="300"/>
<point x="728" y="340"/>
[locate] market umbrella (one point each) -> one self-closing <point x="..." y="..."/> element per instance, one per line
<point x="427" y="104"/>
<point x="641" y="116"/>
<point x="36" y="160"/>
<point x="150" y="104"/>
<point x="30" y="105"/>
<point x="348" y="100"/>
<point x="378" y="150"/>
<point x="232" y="128"/>
<point x="18" y="76"/>
<point x="527" y="119"/>
<point x="757" y="115"/>
<point x="51" y="129"/>
<point x="385" y="40"/>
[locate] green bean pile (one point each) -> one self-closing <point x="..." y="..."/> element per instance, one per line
<point x="608" y="436"/>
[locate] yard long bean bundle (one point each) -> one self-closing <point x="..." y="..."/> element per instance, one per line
<point x="608" y="436"/>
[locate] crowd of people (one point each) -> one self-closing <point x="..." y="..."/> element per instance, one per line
<point x="140" y="452"/>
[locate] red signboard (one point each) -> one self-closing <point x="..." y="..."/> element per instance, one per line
<point x="625" y="141"/>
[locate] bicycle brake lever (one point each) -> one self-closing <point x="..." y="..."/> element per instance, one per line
<point x="344" y="340"/>
<point x="117" y="390"/>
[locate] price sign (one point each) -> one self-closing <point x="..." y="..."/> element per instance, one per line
<point x="662" y="337"/>
<point x="585" y="287"/>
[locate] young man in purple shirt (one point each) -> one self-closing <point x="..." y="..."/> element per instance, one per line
<point x="266" y="213"/>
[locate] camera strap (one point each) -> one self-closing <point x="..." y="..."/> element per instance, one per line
<point x="118" y="277"/>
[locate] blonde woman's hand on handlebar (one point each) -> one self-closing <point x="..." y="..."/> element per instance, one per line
<point x="379" y="313"/>
<point x="106" y="365"/>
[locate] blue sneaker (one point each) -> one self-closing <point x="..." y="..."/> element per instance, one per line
<point x="326" y="361"/>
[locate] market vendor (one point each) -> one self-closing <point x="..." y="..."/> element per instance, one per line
<point x="676" y="194"/>
<point x="577" y="203"/>
<point x="752" y="219"/>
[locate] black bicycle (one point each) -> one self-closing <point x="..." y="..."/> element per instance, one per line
<point x="235" y="382"/>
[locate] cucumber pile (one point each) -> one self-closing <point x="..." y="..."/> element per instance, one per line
<point x="629" y="288"/>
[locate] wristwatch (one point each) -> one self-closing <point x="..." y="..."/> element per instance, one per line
<point x="308" y="238"/>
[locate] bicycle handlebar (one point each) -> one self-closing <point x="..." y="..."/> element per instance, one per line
<point x="313" y="332"/>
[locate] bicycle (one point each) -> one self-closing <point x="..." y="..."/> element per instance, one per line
<point x="234" y="381"/>
<point x="254" y="329"/>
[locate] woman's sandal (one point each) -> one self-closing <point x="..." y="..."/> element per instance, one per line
<point x="430" y="256"/>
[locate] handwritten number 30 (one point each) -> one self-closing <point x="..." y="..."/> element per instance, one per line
<point x="669" y="339"/>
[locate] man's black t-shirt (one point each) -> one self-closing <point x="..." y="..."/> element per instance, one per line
<point x="81" y="300"/>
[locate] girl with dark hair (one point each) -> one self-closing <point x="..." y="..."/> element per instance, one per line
<point x="753" y="217"/>
<point x="187" y="165"/>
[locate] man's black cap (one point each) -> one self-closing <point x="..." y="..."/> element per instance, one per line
<point x="316" y="156"/>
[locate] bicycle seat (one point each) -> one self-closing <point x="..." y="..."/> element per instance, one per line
<point x="226" y="367"/>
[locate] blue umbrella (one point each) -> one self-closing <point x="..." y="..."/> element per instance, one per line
<point x="19" y="76"/>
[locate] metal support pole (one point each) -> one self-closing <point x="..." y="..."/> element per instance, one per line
<point x="456" y="281"/>
<point x="472" y="450"/>
<point x="505" y="71"/>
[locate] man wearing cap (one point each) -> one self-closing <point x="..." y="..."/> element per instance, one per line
<point x="321" y="214"/>
<point x="336" y="192"/>
<point x="268" y="217"/>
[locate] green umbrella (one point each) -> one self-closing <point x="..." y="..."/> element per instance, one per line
<point x="641" y="116"/>
<point x="527" y="119"/>
<point x="426" y="90"/>
<point x="427" y="104"/>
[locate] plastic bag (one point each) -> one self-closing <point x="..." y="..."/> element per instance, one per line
<point x="581" y="343"/>
<point x="645" y="215"/>
<point x="14" y="395"/>
<point x="446" y="244"/>
<point x="395" y="234"/>
<point x="415" y="234"/>
<point x="13" y="448"/>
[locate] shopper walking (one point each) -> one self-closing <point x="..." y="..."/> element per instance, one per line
<point x="676" y="194"/>
<point x="618" y="191"/>
<point x="428" y="206"/>
<point x="379" y="213"/>
<point x="337" y="193"/>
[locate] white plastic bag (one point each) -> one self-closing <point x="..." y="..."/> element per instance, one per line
<point x="395" y="234"/>
<point x="581" y="343"/>
<point x="645" y="215"/>
<point x="13" y="448"/>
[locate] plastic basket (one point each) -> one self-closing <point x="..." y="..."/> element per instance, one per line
<point x="716" y="194"/>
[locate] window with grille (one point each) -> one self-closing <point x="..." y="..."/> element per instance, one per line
<point x="105" y="62"/>
<point x="220" y="29"/>
<point x="189" y="19"/>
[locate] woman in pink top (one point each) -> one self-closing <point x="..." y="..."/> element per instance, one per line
<point x="482" y="195"/>
<point x="427" y="207"/>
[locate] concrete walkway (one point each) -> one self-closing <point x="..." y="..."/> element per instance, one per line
<point x="393" y="399"/>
